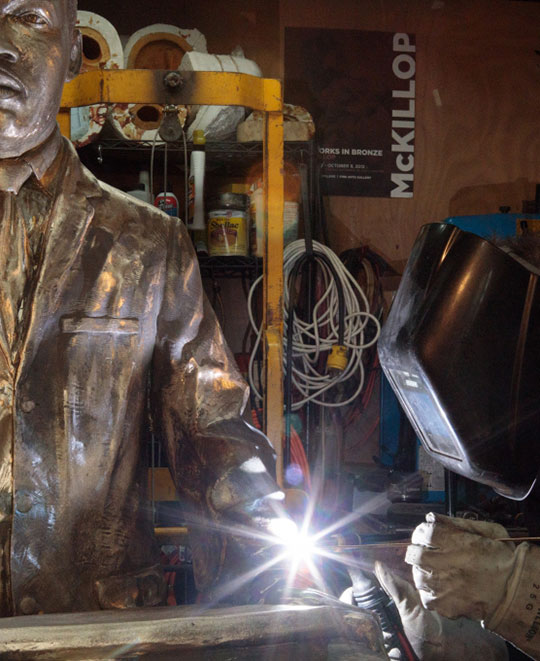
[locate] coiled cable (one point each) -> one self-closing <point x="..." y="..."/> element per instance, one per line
<point x="340" y="316"/>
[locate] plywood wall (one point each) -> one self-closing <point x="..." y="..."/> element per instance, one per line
<point x="251" y="24"/>
<point x="477" y="119"/>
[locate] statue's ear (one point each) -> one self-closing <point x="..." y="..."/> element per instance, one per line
<point x="75" y="59"/>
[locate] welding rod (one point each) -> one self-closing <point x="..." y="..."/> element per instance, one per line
<point x="356" y="547"/>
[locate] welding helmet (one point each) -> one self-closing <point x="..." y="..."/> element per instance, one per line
<point x="461" y="349"/>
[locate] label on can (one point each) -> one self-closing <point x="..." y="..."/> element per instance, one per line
<point x="168" y="203"/>
<point x="227" y="232"/>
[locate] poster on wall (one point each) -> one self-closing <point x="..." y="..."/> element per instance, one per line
<point x="360" y="88"/>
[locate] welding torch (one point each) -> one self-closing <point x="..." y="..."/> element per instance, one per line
<point x="368" y="594"/>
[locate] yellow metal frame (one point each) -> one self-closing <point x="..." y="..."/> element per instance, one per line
<point x="212" y="88"/>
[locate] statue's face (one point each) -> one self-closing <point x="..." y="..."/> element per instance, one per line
<point x="39" y="51"/>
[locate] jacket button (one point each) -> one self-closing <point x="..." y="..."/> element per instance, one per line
<point x="23" y="502"/>
<point x="28" y="606"/>
<point x="28" y="405"/>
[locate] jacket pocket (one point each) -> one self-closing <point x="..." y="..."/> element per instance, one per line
<point x="100" y="325"/>
<point x="101" y="359"/>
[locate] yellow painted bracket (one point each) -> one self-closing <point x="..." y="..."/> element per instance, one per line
<point x="181" y="87"/>
<point x="273" y="283"/>
<point x="172" y="535"/>
<point x="162" y="87"/>
<point x="146" y="86"/>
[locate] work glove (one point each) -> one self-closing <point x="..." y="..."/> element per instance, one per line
<point x="437" y="638"/>
<point x="459" y="567"/>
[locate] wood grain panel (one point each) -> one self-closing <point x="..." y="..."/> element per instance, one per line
<point x="477" y="137"/>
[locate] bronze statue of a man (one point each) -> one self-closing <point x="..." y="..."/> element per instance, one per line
<point x="104" y="331"/>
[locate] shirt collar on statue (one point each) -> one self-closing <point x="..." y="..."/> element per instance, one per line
<point x="14" y="172"/>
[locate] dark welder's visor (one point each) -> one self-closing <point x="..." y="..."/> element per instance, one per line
<point x="461" y="349"/>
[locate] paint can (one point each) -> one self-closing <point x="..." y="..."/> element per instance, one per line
<point x="228" y="225"/>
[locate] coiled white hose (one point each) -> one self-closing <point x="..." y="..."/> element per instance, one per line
<point x="313" y="340"/>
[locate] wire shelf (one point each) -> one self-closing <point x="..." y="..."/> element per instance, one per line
<point x="220" y="153"/>
<point x="230" y="266"/>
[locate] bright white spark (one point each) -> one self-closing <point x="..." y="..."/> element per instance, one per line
<point x="296" y="549"/>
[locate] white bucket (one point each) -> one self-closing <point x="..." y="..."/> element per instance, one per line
<point x="157" y="46"/>
<point x="217" y="122"/>
<point x="161" y="46"/>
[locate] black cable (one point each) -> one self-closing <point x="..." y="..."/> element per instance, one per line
<point x="320" y="211"/>
<point x="450" y="492"/>
<point x="288" y="364"/>
<point x="299" y="265"/>
<point x="368" y="594"/>
<point x="255" y="409"/>
<point x="308" y="227"/>
<point x="165" y="177"/>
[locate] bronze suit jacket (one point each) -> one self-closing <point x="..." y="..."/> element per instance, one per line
<point x="121" y="338"/>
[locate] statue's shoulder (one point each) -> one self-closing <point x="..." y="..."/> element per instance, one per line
<point x="113" y="207"/>
<point x="118" y="207"/>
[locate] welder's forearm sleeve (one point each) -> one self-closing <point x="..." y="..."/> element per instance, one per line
<point x="517" y="619"/>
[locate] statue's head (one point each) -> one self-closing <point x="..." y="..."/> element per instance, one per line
<point x="40" y="49"/>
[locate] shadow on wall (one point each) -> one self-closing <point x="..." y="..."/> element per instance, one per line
<point x="490" y="198"/>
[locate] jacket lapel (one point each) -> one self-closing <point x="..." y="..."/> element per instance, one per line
<point x="71" y="216"/>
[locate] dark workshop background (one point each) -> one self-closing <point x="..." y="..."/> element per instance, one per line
<point x="477" y="90"/>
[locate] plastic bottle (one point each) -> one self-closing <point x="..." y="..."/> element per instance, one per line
<point x="167" y="202"/>
<point x="196" y="216"/>
<point x="142" y="191"/>
<point x="139" y="193"/>
<point x="144" y="182"/>
<point x="290" y="207"/>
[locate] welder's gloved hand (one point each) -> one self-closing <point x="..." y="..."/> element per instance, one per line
<point x="459" y="567"/>
<point x="437" y="638"/>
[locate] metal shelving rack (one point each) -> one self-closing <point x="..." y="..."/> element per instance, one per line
<point x="233" y="266"/>
<point x="220" y="153"/>
<point x="296" y="149"/>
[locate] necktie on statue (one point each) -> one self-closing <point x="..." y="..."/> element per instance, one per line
<point x="15" y="265"/>
<point x="27" y="190"/>
<point x="13" y="173"/>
